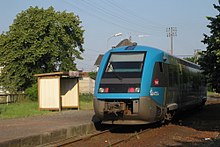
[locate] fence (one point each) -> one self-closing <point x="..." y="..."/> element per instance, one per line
<point x="10" y="98"/>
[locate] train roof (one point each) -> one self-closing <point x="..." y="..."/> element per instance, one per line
<point x="134" y="48"/>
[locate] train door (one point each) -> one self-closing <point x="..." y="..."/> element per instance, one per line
<point x="181" y="84"/>
<point x="173" y="85"/>
<point x="160" y="78"/>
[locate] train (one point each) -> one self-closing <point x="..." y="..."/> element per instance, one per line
<point x="140" y="85"/>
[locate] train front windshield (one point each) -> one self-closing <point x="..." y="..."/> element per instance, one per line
<point x="123" y="73"/>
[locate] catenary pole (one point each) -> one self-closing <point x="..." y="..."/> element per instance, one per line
<point x="171" y="32"/>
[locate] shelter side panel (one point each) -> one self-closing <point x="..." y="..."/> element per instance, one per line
<point x="49" y="94"/>
<point x="69" y="93"/>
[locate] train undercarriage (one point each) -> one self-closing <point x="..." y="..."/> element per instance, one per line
<point x="142" y="111"/>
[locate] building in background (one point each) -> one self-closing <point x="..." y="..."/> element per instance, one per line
<point x="98" y="61"/>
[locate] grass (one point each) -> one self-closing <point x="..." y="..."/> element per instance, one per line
<point x="30" y="108"/>
<point x="213" y="94"/>
<point x="86" y="101"/>
<point x="210" y="93"/>
<point x="20" y="109"/>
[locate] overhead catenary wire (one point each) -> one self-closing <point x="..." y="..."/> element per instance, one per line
<point x="115" y="15"/>
<point x="99" y="13"/>
<point x="111" y="13"/>
<point x="130" y="13"/>
<point x="102" y="19"/>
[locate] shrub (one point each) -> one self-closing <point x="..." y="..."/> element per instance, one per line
<point x="31" y="92"/>
<point x="92" y="75"/>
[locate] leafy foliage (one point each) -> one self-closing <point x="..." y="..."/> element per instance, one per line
<point x="191" y="59"/>
<point x="32" y="92"/>
<point x="92" y="75"/>
<point x="39" y="41"/>
<point x="210" y="59"/>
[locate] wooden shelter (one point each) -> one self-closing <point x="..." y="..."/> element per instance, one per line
<point x="58" y="90"/>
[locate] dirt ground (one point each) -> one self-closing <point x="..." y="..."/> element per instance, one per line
<point x="192" y="128"/>
<point x="200" y="128"/>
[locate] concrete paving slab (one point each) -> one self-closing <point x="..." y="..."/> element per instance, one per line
<point x="38" y="130"/>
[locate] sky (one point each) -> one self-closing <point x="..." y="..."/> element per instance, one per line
<point x="145" y="21"/>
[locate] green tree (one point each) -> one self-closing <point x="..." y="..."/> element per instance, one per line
<point x="92" y="75"/>
<point x="191" y="59"/>
<point x="39" y="41"/>
<point x="210" y="59"/>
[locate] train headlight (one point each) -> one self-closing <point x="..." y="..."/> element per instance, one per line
<point x="137" y="89"/>
<point x="102" y="90"/>
<point x="132" y="89"/>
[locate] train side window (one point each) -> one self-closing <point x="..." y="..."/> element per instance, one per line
<point x="173" y="75"/>
<point x="159" y="78"/>
<point x="161" y="66"/>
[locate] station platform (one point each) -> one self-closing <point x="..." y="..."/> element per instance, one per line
<point x="40" y="130"/>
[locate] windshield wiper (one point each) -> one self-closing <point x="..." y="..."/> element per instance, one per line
<point x="117" y="76"/>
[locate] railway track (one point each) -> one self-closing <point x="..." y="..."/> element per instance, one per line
<point x="191" y="128"/>
<point x="111" y="137"/>
<point x="135" y="135"/>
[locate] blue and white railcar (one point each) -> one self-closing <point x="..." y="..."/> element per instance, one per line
<point x="139" y="85"/>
